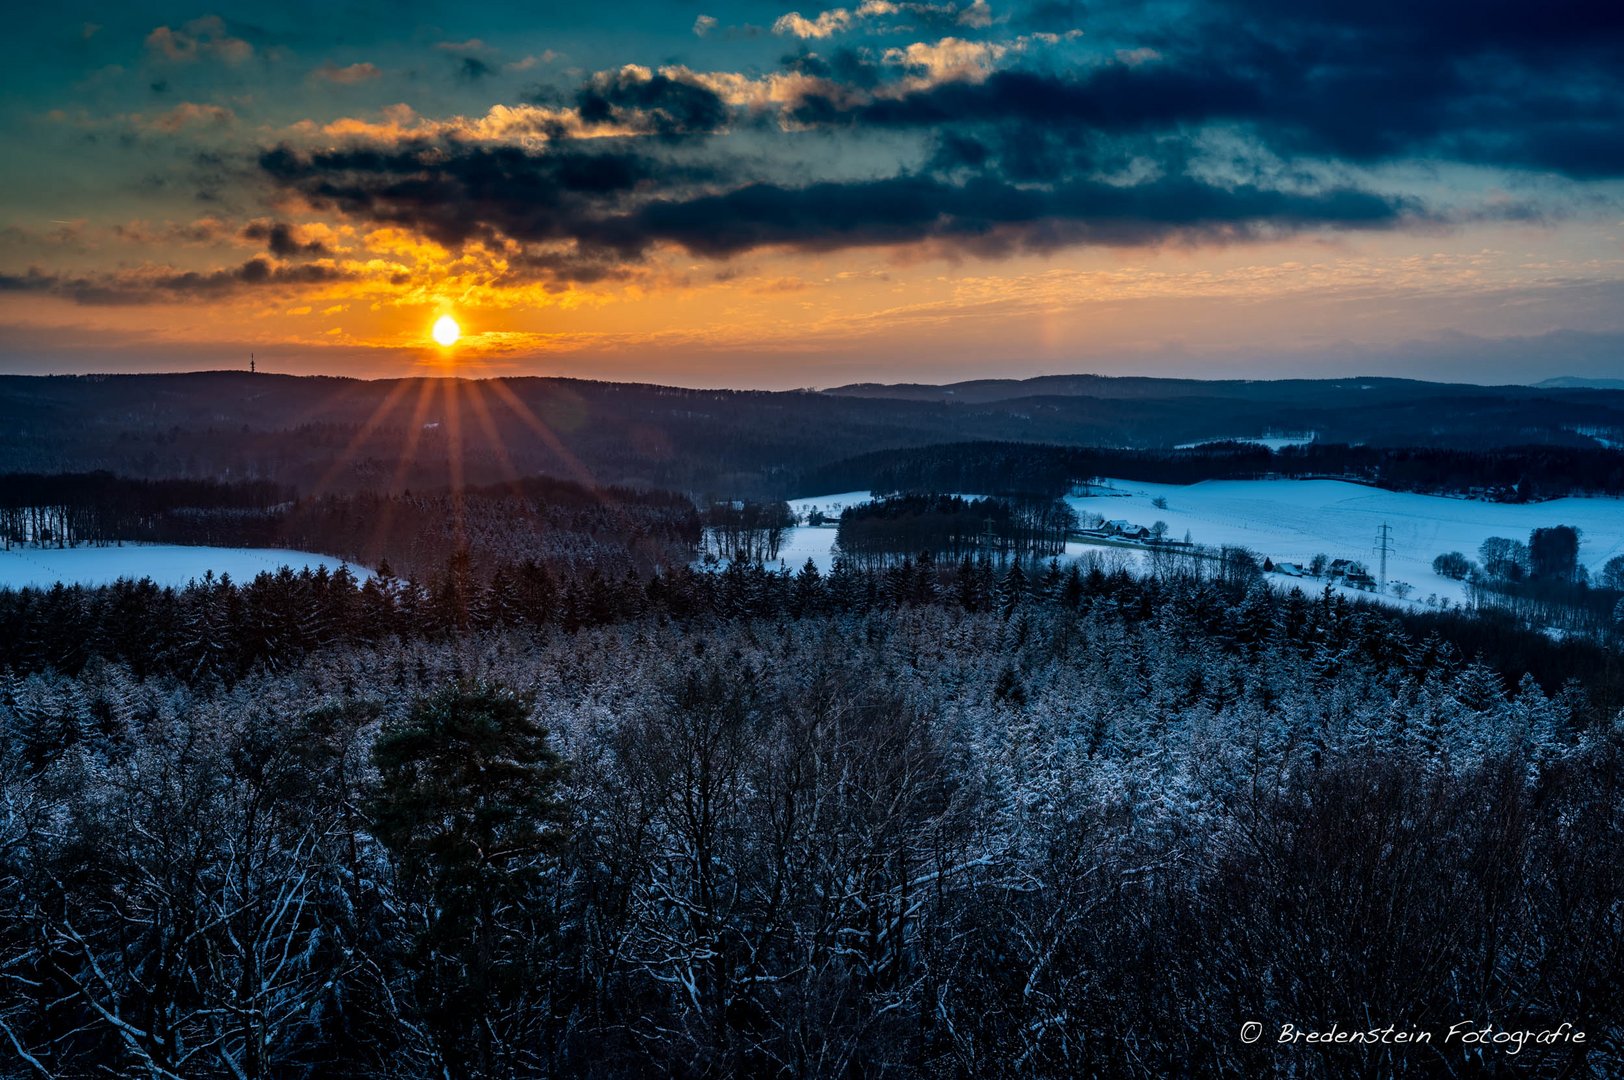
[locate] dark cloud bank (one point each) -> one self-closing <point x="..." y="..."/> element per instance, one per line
<point x="1038" y="155"/>
<point x="1025" y="158"/>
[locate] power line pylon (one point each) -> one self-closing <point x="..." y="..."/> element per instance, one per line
<point x="1384" y="547"/>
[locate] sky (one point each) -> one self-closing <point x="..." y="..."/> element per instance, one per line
<point x="760" y="195"/>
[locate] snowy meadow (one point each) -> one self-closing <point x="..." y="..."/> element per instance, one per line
<point x="41" y="566"/>
<point x="1292" y="521"/>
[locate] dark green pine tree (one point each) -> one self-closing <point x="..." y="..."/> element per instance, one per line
<point x="964" y="585"/>
<point x="498" y="601"/>
<point x="538" y="594"/>
<point x="455" y="594"/>
<point x="807" y="593"/>
<point x="1012" y="591"/>
<point x="1071" y="590"/>
<point x="467" y="802"/>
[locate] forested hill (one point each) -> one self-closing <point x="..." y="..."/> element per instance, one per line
<point x="1505" y="474"/>
<point x="1320" y="392"/>
<point x="331" y="434"/>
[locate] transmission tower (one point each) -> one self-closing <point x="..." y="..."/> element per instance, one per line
<point x="1384" y="547"/>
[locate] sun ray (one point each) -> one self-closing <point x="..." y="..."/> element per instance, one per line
<point x="579" y="472"/>
<point x="366" y="430"/>
<point x="452" y="389"/>
<point x="487" y="423"/>
<point x="408" y="455"/>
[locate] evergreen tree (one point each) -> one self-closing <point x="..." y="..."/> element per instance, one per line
<point x="807" y="594"/>
<point x="467" y="801"/>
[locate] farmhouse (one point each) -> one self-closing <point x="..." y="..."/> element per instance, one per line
<point x="1127" y="530"/>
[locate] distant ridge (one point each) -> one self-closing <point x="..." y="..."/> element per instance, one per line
<point x="1137" y="387"/>
<point x="1575" y="382"/>
<point x="319" y="433"/>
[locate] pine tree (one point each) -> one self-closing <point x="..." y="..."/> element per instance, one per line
<point x="807" y="594"/>
<point x="1012" y="590"/>
<point x="466" y="800"/>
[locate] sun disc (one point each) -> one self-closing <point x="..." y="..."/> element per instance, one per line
<point x="446" y="331"/>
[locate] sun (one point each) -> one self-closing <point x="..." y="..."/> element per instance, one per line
<point x="446" y="331"/>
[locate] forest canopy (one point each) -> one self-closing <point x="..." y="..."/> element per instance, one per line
<point x="910" y="821"/>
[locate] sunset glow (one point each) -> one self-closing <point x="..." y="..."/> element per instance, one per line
<point x="777" y="198"/>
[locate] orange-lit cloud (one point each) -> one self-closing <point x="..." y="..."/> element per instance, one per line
<point x="348" y="75"/>
<point x="186" y="114"/>
<point x="201" y="38"/>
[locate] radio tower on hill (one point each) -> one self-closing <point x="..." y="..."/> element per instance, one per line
<point x="1384" y="547"/>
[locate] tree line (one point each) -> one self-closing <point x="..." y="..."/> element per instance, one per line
<point x="216" y="631"/>
<point x="539" y="517"/>
<point x="69" y="509"/>
<point x="742" y="530"/>
<point x="1542" y="582"/>
<point x="953" y="527"/>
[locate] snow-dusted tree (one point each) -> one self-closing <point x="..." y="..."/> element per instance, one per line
<point x="466" y="801"/>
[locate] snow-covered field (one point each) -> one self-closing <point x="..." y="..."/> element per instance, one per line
<point x="1293" y="520"/>
<point x="816" y="542"/>
<point x="831" y="505"/>
<point x="166" y="564"/>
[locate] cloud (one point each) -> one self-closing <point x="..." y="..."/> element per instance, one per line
<point x="670" y="103"/>
<point x="1498" y="83"/>
<point x="825" y="25"/>
<point x="198" y="39"/>
<point x="348" y="75"/>
<point x="838" y="20"/>
<point x="522" y="125"/>
<point x="991" y="217"/>
<point x="1330" y="103"/>
<point x="473" y="69"/>
<point x="187" y="114"/>
<point x="1245" y="120"/>
<point x="455" y="193"/>
<point x="546" y="56"/>
<point x="156" y="286"/>
<point x="282" y="240"/>
<point x="618" y="205"/>
<point x="206" y="230"/>
<point x="977" y="16"/>
<point x="949" y="60"/>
